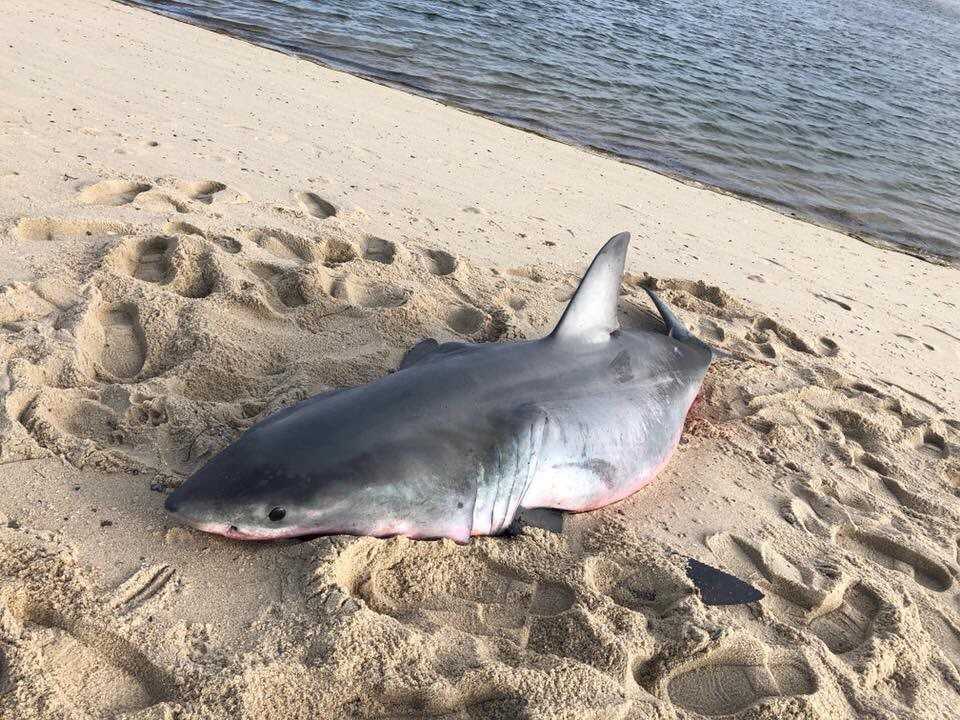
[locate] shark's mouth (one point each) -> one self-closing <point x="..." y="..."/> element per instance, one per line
<point x="384" y="531"/>
<point x="237" y="533"/>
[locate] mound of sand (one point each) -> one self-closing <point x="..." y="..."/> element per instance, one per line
<point x="174" y="313"/>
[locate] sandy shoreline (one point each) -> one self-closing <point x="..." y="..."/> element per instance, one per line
<point x="754" y="196"/>
<point x="195" y="232"/>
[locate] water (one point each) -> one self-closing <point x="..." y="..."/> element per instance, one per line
<point x="845" y="112"/>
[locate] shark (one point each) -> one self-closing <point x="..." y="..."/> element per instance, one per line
<point x="463" y="437"/>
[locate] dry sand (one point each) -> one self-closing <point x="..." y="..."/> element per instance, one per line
<point x="195" y="232"/>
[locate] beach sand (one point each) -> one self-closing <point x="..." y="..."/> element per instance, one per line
<point x="196" y="232"/>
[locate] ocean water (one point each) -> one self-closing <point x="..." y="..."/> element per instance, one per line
<point x="844" y="112"/>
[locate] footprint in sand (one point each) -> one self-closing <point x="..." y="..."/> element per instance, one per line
<point x="112" y="192"/>
<point x="439" y="262"/>
<point x="282" y="286"/>
<point x="830" y="348"/>
<point x="550" y="598"/>
<point x="815" y="513"/>
<point x="150" y="263"/>
<point x="877" y="470"/>
<point x="202" y="191"/>
<point x="337" y="251"/>
<point x="92" y="672"/>
<point x="282" y="244"/>
<point x="178" y="265"/>
<point x="161" y="202"/>
<point x="467" y="591"/>
<point x="378" y="250"/>
<point x="869" y="430"/>
<point x="934" y="445"/>
<point x="891" y="553"/>
<point x="838" y="612"/>
<point x="226" y="242"/>
<point x="787" y="336"/>
<point x="856" y="387"/>
<point x="371" y="295"/>
<point x="179" y="227"/>
<point x="646" y="590"/>
<point x="466" y="320"/>
<point x="534" y="274"/>
<point x="313" y="204"/>
<point x="849" y="625"/>
<point x="59" y="229"/>
<point x="124" y="345"/>
<point x="767" y="350"/>
<point x="74" y="426"/>
<point x="733" y="679"/>
<point x="710" y="330"/>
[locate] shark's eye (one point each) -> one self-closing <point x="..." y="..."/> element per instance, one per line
<point x="277" y="514"/>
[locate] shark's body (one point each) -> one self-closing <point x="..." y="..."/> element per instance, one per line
<point x="462" y="436"/>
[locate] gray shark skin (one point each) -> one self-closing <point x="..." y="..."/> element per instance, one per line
<point x="463" y="436"/>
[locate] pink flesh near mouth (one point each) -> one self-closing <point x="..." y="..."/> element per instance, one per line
<point x="229" y="531"/>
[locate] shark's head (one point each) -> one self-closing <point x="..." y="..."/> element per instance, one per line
<point x="306" y="470"/>
<point x="249" y="492"/>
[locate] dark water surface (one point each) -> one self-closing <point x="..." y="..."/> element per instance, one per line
<point x="846" y="112"/>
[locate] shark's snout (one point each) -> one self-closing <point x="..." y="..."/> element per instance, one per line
<point x="186" y="507"/>
<point x="196" y="511"/>
<point x="172" y="503"/>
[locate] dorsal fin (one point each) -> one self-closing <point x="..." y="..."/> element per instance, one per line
<point x="591" y="314"/>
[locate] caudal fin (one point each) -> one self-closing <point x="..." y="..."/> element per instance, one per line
<point x="677" y="330"/>
<point x="591" y="314"/>
<point x="675" y="327"/>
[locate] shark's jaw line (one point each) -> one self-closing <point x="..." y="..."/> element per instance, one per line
<point x="236" y="533"/>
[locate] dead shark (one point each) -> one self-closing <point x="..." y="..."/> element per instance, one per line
<point x="464" y="436"/>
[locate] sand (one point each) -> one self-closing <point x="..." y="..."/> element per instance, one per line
<point x="195" y="232"/>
